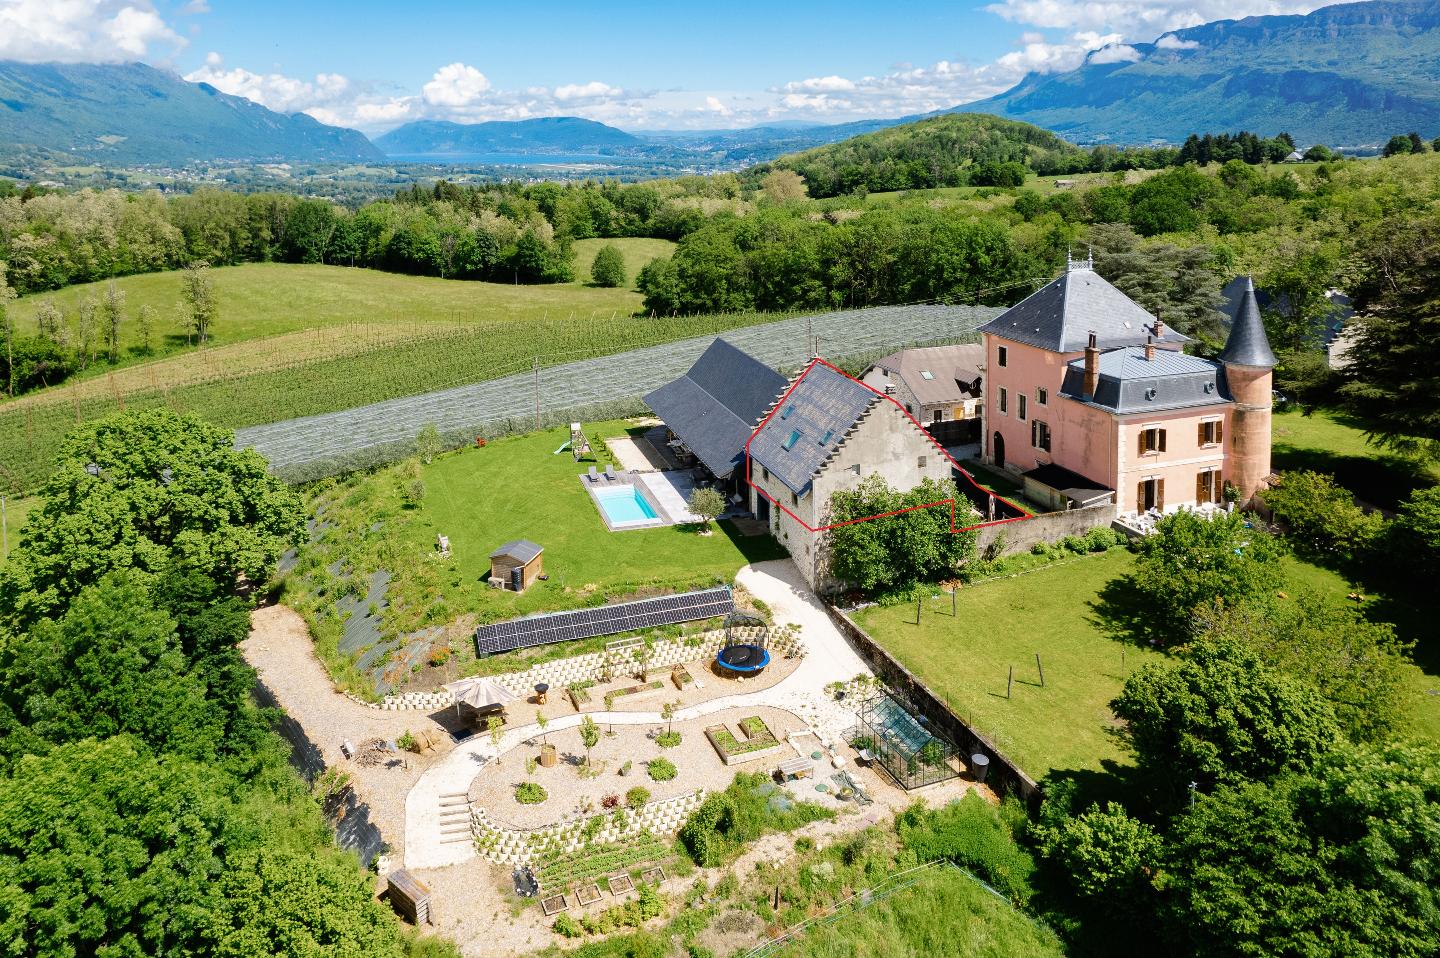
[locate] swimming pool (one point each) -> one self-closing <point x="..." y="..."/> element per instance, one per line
<point x="625" y="507"/>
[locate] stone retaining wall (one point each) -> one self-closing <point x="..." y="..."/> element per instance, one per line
<point x="593" y="666"/>
<point x="506" y="845"/>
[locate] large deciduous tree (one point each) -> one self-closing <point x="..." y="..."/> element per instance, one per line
<point x="155" y="491"/>
<point x="1191" y="561"/>
<point x="913" y="542"/>
<point x="1393" y="376"/>
<point x="1179" y="284"/>
<point x="1221" y="715"/>
<point x="1339" y="862"/>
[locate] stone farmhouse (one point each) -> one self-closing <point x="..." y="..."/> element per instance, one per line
<point x="939" y="385"/>
<point x="827" y="434"/>
<point x="1085" y="392"/>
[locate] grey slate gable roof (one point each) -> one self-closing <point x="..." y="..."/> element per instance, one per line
<point x="522" y="551"/>
<point x="1061" y="315"/>
<point x="953" y="370"/>
<point x="717" y="404"/>
<point x="822" y="408"/>
<point x="1130" y="383"/>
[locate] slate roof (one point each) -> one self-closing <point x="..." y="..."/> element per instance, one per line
<point x="717" y="404"/>
<point x="953" y="369"/>
<point x="522" y="551"/>
<point x="1130" y="383"/>
<point x="817" y="414"/>
<point x="1247" y="344"/>
<point x="1061" y="315"/>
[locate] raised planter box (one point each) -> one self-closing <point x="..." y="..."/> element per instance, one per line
<point x="578" y="697"/>
<point x="681" y="677"/>
<point x="633" y="693"/>
<point x="757" y="745"/>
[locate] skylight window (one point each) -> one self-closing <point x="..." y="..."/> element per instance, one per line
<point x="926" y="374"/>
<point x="789" y="444"/>
<point x="785" y="413"/>
<point x="825" y="439"/>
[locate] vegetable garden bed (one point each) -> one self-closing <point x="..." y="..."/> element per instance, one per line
<point x="759" y="741"/>
<point x="566" y="869"/>
<point x="633" y="693"/>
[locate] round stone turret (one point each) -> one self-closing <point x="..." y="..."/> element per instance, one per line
<point x="1249" y="373"/>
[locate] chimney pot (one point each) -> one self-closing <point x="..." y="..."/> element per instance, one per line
<point x="1092" y="368"/>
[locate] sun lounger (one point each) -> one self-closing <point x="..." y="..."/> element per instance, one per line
<point x="593" y="476"/>
<point x="609" y="472"/>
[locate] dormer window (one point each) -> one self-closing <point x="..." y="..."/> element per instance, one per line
<point x="789" y="443"/>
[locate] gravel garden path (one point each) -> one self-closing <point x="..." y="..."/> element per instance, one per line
<point x="829" y="658"/>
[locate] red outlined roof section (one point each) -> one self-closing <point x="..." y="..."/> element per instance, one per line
<point x="779" y="410"/>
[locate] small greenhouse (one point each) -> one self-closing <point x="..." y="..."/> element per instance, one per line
<point x="901" y="743"/>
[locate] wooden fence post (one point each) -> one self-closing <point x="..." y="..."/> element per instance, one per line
<point x="1010" y="685"/>
<point x="1041" y="669"/>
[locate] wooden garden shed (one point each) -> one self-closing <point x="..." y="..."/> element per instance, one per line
<point x="516" y="565"/>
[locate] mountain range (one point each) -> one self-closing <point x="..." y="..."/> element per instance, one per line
<point x="1350" y="76"/>
<point x="1346" y="75"/>
<point x="131" y="114"/>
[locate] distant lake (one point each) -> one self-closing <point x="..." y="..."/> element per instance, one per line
<point x="508" y="159"/>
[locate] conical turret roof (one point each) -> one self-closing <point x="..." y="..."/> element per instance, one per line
<point x="1248" y="345"/>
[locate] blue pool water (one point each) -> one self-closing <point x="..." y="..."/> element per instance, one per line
<point x="624" y="506"/>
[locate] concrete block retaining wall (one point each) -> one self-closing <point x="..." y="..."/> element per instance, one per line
<point x="559" y="673"/>
<point x="1004" y="775"/>
<point x="505" y="845"/>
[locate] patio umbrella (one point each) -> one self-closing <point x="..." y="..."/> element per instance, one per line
<point x="479" y="692"/>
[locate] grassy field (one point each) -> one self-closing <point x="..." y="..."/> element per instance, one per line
<point x="15" y="512"/>
<point x="1067" y="724"/>
<point x="1328" y="442"/>
<point x="944" y="913"/>
<point x="369" y="336"/>
<point x="516" y="488"/>
<point x="637" y="252"/>
<point x="266" y="299"/>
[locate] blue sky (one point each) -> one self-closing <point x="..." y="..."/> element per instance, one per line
<point x="374" y="65"/>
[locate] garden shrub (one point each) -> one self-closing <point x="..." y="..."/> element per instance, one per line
<point x="748" y="808"/>
<point x="637" y="796"/>
<point x="567" y="927"/>
<point x="667" y="739"/>
<point x="661" y="769"/>
<point x="530" y="793"/>
<point x="969" y="832"/>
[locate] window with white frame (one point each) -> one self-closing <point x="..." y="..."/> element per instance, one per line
<point x="1042" y="397"/>
<point x="1004" y="401"/>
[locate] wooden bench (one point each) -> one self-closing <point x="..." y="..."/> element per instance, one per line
<point x="796" y="768"/>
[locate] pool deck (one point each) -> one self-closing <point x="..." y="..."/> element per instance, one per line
<point x="665" y="492"/>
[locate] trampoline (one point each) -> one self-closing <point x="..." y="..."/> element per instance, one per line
<point x="742" y="659"/>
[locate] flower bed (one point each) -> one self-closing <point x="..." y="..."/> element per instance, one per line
<point x="632" y="692"/>
<point x="759" y="741"/>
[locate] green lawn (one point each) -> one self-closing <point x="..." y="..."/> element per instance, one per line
<point x="1328" y="442"/>
<point x="515" y="488"/>
<point x="637" y="252"/>
<point x="945" y="913"/>
<point x="1067" y="724"/>
<point x="15" y="512"/>
<point x="966" y="660"/>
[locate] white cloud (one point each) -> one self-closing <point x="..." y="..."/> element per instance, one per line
<point x="455" y="85"/>
<point x="1171" y="42"/>
<point x="1114" y="53"/>
<point x="274" y="90"/>
<point x="830" y="84"/>
<point x="1139" y="19"/>
<point x="594" y="90"/>
<point x="84" y="31"/>
<point x="195" y="7"/>
<point x="714" y="105"/>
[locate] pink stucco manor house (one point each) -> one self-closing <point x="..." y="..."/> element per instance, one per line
<point x="1086" y="391"/>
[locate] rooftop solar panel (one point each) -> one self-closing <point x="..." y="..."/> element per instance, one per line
<point x="602" y="620"/>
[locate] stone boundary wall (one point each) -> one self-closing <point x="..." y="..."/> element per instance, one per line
<point x="1047" y="527"/>
<point x="506" y="845"/>
<point x="590" y="667"/>
<point x="1004" y="775"/>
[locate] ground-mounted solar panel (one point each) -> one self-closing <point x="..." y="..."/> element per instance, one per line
<point x="552" y="627"/>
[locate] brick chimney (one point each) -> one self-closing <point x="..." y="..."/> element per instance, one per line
<point x="1150" y="347"/>
<point x="1159" y="327"/>
<point x="1092" y="368"/>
